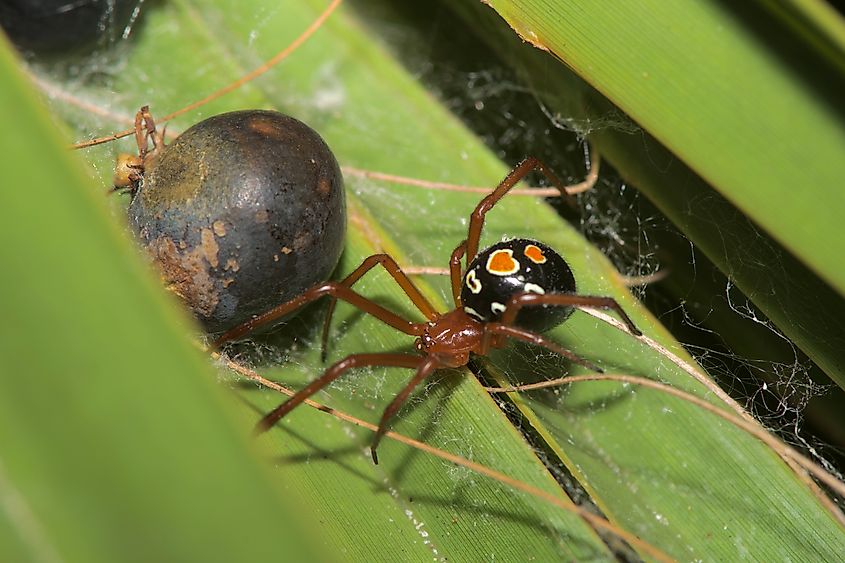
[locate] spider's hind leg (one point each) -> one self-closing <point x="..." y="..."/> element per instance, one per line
<point x="521" y="300"/>
<point x="499" y="329"/>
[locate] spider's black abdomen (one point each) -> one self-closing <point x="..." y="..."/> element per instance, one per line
<point x="517" y="266"/>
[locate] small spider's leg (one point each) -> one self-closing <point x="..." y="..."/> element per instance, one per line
<point x="152" y="133"/>
<point x="521" y="300"/>
<point x="140" y="134"/>
<point x="333" y="289"/>
<point x="335" y="371"/>
<point x="389" y="264"/>
<point x="455" y="272"/>
<point x="476" y="220"/>
<point x="424" y="367"/>
<point x="534" y="338"/>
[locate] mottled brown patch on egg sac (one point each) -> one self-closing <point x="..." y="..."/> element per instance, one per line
<point x="185" y="274"/>
<point x="265" y="127"/>
<point x="262" y="216"/>
<point x="324" y="186"/>
<point x="209" y="246"/>
<point x="286" y="250"/>
<point x="183" y="172"/>
<point x="232" y="265"/>
<point x="219" y="228"/>
<point x="302" y="240"/>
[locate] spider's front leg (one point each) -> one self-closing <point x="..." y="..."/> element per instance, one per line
<point x="455" y="273"/>
<point x="336" y="370"/>
<point x="392" y="268"/>
<point x="333" y="289"/>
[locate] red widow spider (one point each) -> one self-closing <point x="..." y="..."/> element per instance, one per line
<point x="512" y="289"/>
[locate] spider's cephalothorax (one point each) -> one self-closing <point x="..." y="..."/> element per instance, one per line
<point x="511" y="267"/>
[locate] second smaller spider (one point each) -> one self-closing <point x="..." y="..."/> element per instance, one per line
<point x="514" y="289"/>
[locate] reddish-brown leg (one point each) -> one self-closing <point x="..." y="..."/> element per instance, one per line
<point x="140" y="134"/>
<point x="333" y="289"/>
<point x="455" y="273"/>
<point x="476" y="219"/>
<point x="389" y="264"/>
<point x="521" y="300"/>
<point x="335" y="371"/>
<point x="493" y="329"/>
<point x="151" y="132"/>
<point x="425" y="368"/>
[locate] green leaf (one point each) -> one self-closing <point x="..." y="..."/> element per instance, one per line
<point x="646" y="460"/>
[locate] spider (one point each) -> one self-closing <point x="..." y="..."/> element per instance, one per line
<point x="129" y="169"/>
<point x="514" y="289"/>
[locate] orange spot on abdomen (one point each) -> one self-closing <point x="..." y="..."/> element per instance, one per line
<point x="535" y="254"/>
<point x="502" y="263"/>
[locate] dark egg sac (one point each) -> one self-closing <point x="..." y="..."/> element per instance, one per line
<point x="511" y="267"/>
<point x="244" y="211"/>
